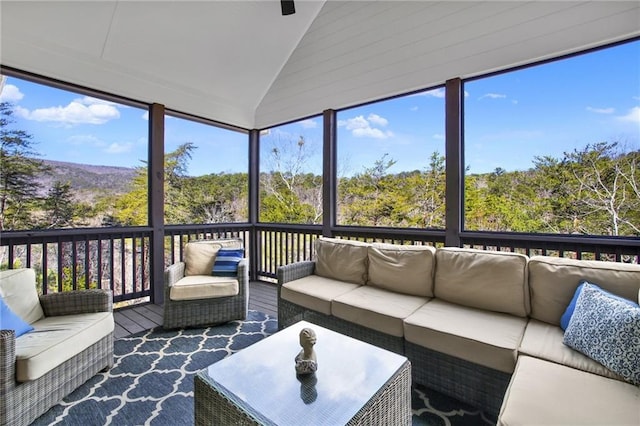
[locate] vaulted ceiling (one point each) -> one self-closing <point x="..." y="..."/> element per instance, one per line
<point x="243" y="63"/>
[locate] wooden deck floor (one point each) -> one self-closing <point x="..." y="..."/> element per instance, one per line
<point x="130" y="320"/>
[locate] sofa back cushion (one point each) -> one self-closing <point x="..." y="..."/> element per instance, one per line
<point x="490" y="280"/>
<point x="199" y="256"/>
<point x="18" y="290"/>
<point x="553" y="282"/>
<point x="343" y="260"/>
<point x="402" y="268"/>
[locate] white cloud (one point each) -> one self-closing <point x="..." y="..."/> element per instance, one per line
<point x="370" y="133"/>
<point x="377" y="120"/>
<point x="601" y="110"/>
<point x="145" y="116"/>
<point x="438" y="136"/>
<point x="118" y="148"/>
<point x="493" y="96"/>
<point x="309" y="124"/>
<point x="413" y="108"/>
<point x="632" y="116"/>
<point x="11" y="93"/>
<point x="367" y="127"/>
<point x="85" y="110"/>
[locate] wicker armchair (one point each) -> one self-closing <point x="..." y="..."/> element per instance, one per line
<point x="21" y="402"/>
<point x="208" y="299"/>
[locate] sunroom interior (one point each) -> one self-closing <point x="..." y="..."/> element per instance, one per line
<point x="245" y="67"/>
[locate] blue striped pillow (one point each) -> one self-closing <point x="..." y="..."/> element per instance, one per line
<point x="226" y="263"/>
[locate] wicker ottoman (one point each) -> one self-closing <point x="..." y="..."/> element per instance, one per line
<point x="356" y="383"/>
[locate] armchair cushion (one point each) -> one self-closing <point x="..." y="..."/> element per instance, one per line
<point x="199" y="256"/>
<point x="196" y="287"/>
<point x="18" y="289"/>
<point x="10" y="321"/>
<point x="57" y="339"/>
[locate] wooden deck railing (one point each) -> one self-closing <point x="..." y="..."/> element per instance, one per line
<point x="120" y="258"/>
<point x="72" y="259"/>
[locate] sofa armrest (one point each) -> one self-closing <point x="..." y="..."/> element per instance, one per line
<point x="295" y="271"/>
<point x="77" y="302"/>
<point x="174" y="273"/>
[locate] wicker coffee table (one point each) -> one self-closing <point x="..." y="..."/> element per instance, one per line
<point x="356" y="383"/>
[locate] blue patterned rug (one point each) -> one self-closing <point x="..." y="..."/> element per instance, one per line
<point x="151" y="382"/>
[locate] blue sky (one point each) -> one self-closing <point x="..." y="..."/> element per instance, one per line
<point x="509" y="119"/>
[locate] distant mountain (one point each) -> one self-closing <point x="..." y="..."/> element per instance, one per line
<point x="87" y="181"/>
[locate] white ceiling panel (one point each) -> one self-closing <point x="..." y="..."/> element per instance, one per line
<point x="243" y="63"/>
<point x="465" y="39"/>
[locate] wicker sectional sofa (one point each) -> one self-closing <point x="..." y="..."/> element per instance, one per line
<point x="480" y="326"/>
<point x="71" y="341"/>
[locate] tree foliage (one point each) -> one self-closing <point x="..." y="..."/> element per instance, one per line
<point x="593" y="190"/>
<point x="287" y="193"/>
<point x="19" y="169"/>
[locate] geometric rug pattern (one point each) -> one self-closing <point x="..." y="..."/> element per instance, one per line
<point x="151" y="382"/>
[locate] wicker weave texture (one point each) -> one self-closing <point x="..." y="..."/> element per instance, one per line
<point x="477" y="385"/>
<point x="21" y="403"/>
<point x="76" y="302"/>
<point x="213" y="408"/>
<point x="209" y="311"/>
<point x="390" y="406"/>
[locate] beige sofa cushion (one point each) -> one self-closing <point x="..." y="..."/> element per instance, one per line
<point x="18" y="289"/>
<point x="196" y="287"/>
<point x="199" y="256"/>
<point x="315" y="292"/>
<point x="553" y="281"/>
<point x="490" y="280"/>
<point x="482" y="337"/>
<point x="545" y="393"/>
<point x="343" y="260"/>
<point x="543" y="340"/>
<point x="376" y="308"/>
<point x="57" y="339"/>
<point x="402" y="268"/>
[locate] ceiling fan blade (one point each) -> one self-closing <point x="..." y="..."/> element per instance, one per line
<point x="288" y="8"/>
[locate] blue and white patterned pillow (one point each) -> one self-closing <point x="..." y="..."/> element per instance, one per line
<point x="226" y="263"/>
<point x="566" y="316"/>
<point x="608" y="331"/>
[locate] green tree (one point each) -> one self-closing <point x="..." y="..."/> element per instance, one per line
<point x="427" y="191"/>
<point x="288" y="194"/>
<point x="374" y="197"/>
<point x="130" y="209"/>
<point x="59" y="206"/>
<point x="217" y="198"/>
<point x="19" y="170"/>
